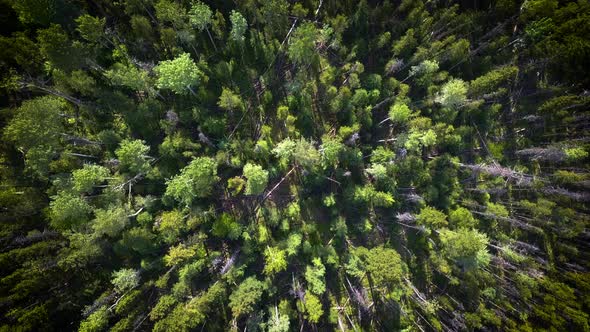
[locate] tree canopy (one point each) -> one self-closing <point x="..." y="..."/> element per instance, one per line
<point x="274" y="165"/>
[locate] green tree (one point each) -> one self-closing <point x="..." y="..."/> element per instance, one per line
<point x="200" y="15"/>
<point x="462" y="218"/>
<point x="133" y="156"/>
<point x="385" y="266"/>
<point x="431" y="218"/>
<point x="489" y="82"/>
<point x="194" y="181"/>
<point x="424" y="72"/>
<point x="331" y="150"/>
<point x="90" y="27"/>
<point x="238" y="26"/>
<point x="257" y="179"/>
<point x="171" y="225"/>
<point x="125" y="280"/>
<point x="60" y="52"/>
<point x="96" y="322"/>
<point x="87" y="178"/>
<point x="230" y="101"/>
<point x="302" y="46"/>
<point x="67" y="211"/>
<point x="35" y="130"/>
<point x="400" y="113"/>
<point x="128" y="76"/>
<point x="313" y="308"/>
<point x="453" y="94"/>
<point x="35" y="11"/>
<point x="226" y="226"/>
<point x="275" y="260"/>
<point x="314" y="275"/>
<point x="467" y="248"/>
<point x="179" y="75"/>
<point x="179" y="254"/>
<point x="110" y="222"/>
<point x="244" y="299"/>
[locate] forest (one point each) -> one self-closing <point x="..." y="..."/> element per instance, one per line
<point x="283" y="165"/>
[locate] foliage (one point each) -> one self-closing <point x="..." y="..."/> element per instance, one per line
<point x="275" y="260"/>
<point x="109" y="222"/>
<point x="200" y="15"/>
<point x="257" y="179"/>
<point x="97" y="321"/>
<point x="314" y="275"/>
<point x="399" y="113"/>
<point x="274" y="165"/>
<point x="35" y="130"/>
<point x="132" y="155"/>
<point x="385" y="266"/>
<point x="226" y="226"/>
<point x="242" y="301"/>
<point x="179" y="254"/>
<point x="302" y="46"/>
<point x="313" y="308"/>
<point x="467" y="248"/>
<point x="431" y="218"/>
<point x="238" y="26"/>
<point x="90" y="28"/>
<point x="462" y="218"/>
<point x="68" y="211"/>
<point x="86" y="178"/>
<point x="194" y="181"/>
<point x="128" y="76"/>
<point x="180" y="75"/>
<point x="125" y="279"/>
<point x="453" y="94"/>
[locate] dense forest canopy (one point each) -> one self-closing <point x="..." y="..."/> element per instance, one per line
<point x="281" y="165"/>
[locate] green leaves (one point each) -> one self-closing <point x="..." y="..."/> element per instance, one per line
<point x="313" y="308"/>
<point x="331" y="150"/>
<point x="302" y="152"/>
<point x="462" y="218"/>
<point x="453" y="94"/>
<point x="385" y="266"/>
<point x="399" y="113"/>
<point x="90" y="28"/>
<point x="133" y="156"/>
<point x="230" y="101"/>
<point x="467" y="248"/>
<point x="369" y="195"/>
<point x="432" y="218"/>
<point x="314" y="275"/>
<point x="302" y="46"/>
<point x="37" y="122"/>
<point x="238" y="26"/>
<point x="200" y="15"/>
<point x="179" y="254"/>
<point x="417" y="140"/>
<point x="67" y="211"/>
<point x="110" y="222"/>
<point x="257" y="179"/>
<point x="275" y="260"/>
<point x="97" y="321"/>
<point x="125" y="280"/>
<point x="226" y="226"/>
<point x="194" y="181"/>
<point x="180" y="75"/>
<point x="116" y="132"/>
<point x="128" y="76"/>
<point x="86" y="178"/>
<point x="243" y="300"/>
<point x="35" y="130"/>
<point x="489" y="82"/>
